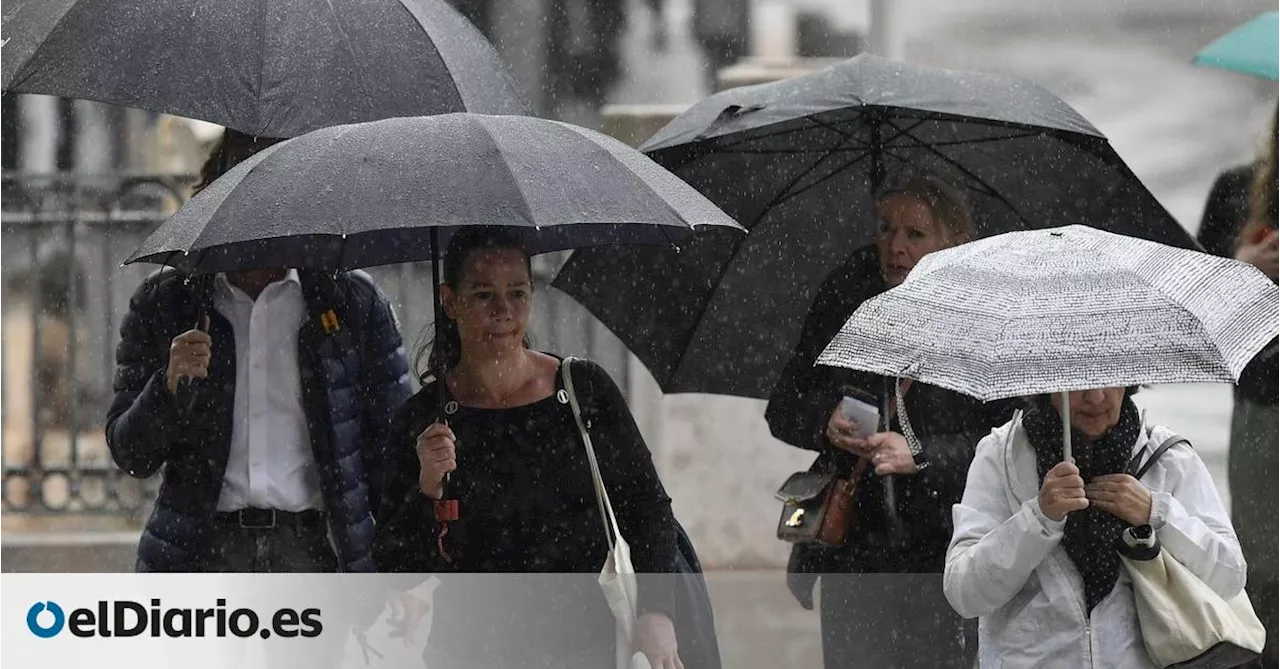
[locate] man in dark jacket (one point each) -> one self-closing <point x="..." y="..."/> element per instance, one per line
<point x="265" y="395"/>
<point x="270" y="455"/>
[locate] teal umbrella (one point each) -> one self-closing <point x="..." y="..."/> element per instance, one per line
<point x="1250" y="48"/>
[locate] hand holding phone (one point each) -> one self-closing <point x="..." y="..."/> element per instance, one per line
<point x="867" y="416"/>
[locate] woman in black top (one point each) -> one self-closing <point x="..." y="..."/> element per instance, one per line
<point x="518" y="469"/>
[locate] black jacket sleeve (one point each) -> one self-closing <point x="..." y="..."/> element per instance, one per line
<point x="805" y="395"/>
<point x="1260" y="379"/>
<point x="143" y="420"/>
<point x="638" y="497"/>
<point x="949" y="455"/>
<point x="404" y="538"/>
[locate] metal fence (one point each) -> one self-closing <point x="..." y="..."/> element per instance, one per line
<point x="62" y="238"/>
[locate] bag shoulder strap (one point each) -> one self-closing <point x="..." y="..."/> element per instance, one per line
<point x="1137" y="471"/>
<point x="611" y="531"/>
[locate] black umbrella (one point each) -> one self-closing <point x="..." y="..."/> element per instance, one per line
<point x="270" y="68"/>
<point x="386" y="191"/>
<point x="796" y="162"/>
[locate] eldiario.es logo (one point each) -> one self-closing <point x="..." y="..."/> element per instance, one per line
<point x="124" y="618"/>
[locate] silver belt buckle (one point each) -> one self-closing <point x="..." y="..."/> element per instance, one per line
<point x="248" y="516"/>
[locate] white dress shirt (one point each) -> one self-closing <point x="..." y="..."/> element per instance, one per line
<point x="271" y="465"/>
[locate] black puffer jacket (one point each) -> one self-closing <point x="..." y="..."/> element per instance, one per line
<point x="352" y="378"/>
<point x="911" y="534"/>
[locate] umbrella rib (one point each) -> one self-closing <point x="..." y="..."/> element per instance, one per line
<point x="860" y="147"/>
<point x="849" y="136"/>
<point x="502" y="164"/>
<point x="847" y="165"/>
<point x="818" y="182"/>
<point x="262" y="65"/>
<point x="969" y="173"/>
<point x="810" y="120"/>
<point x="785" y="194"/>
<point x="921" y="116"/>
<point x="788" y="152"/>
<point x="983" y="140"/>
<point x="414" y="11"/>
<point x="355" y="62"/>
<point x="901" y="132"/>
<point x="17" y="83"/>
<point x="631" y="175"/>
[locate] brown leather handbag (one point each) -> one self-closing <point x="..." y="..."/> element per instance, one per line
<point x="817" y="507"/>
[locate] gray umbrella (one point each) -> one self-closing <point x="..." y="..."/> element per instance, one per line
<point x="1058" y="310"/>
<point x="382" y="192"/>
<point x="270" y="68"/>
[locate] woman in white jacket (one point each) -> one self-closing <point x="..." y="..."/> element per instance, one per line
<point x="1033" y="552"/>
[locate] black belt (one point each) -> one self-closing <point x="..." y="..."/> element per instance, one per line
<point x="265" y="519"/>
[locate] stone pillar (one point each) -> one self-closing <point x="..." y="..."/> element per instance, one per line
<point x="883" y="36"/>
<point x="40" y="130"/>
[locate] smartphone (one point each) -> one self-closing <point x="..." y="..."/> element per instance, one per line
<point x="867" y="416"/>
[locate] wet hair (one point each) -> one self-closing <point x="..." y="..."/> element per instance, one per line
<point x="230" y="150"/>
<point x="947" y="201"/>
<point x="445" y="352"/>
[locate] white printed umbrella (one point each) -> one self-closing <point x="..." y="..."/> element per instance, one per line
<point x="1064" y="309"/>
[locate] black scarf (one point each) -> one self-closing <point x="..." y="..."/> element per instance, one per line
<point x="1090" y="535"/>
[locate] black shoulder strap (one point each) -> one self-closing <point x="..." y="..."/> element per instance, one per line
<point x="1137" y="471"/>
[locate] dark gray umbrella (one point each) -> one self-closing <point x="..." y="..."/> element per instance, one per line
<point x="795" y="162"/>
<point x="378" y="193"/>
<point x="270" y="68"/>
<point x="394" y="190"/>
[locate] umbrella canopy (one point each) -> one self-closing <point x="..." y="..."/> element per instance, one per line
<point x="1059" y="310"/>
<point x="270" y="68"/>
<point x="1251" y="48"/>
<point x="381" y="192"/>
<point x="796" y="162"/>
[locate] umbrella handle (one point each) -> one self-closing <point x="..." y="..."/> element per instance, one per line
<point x="1066" y="427"/>
<point x="186" y="395"/>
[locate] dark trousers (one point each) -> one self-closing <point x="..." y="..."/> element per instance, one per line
<point x="1251" y="474"/>
<point x="292" y="546"/>
<point x="892" y="621"/>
